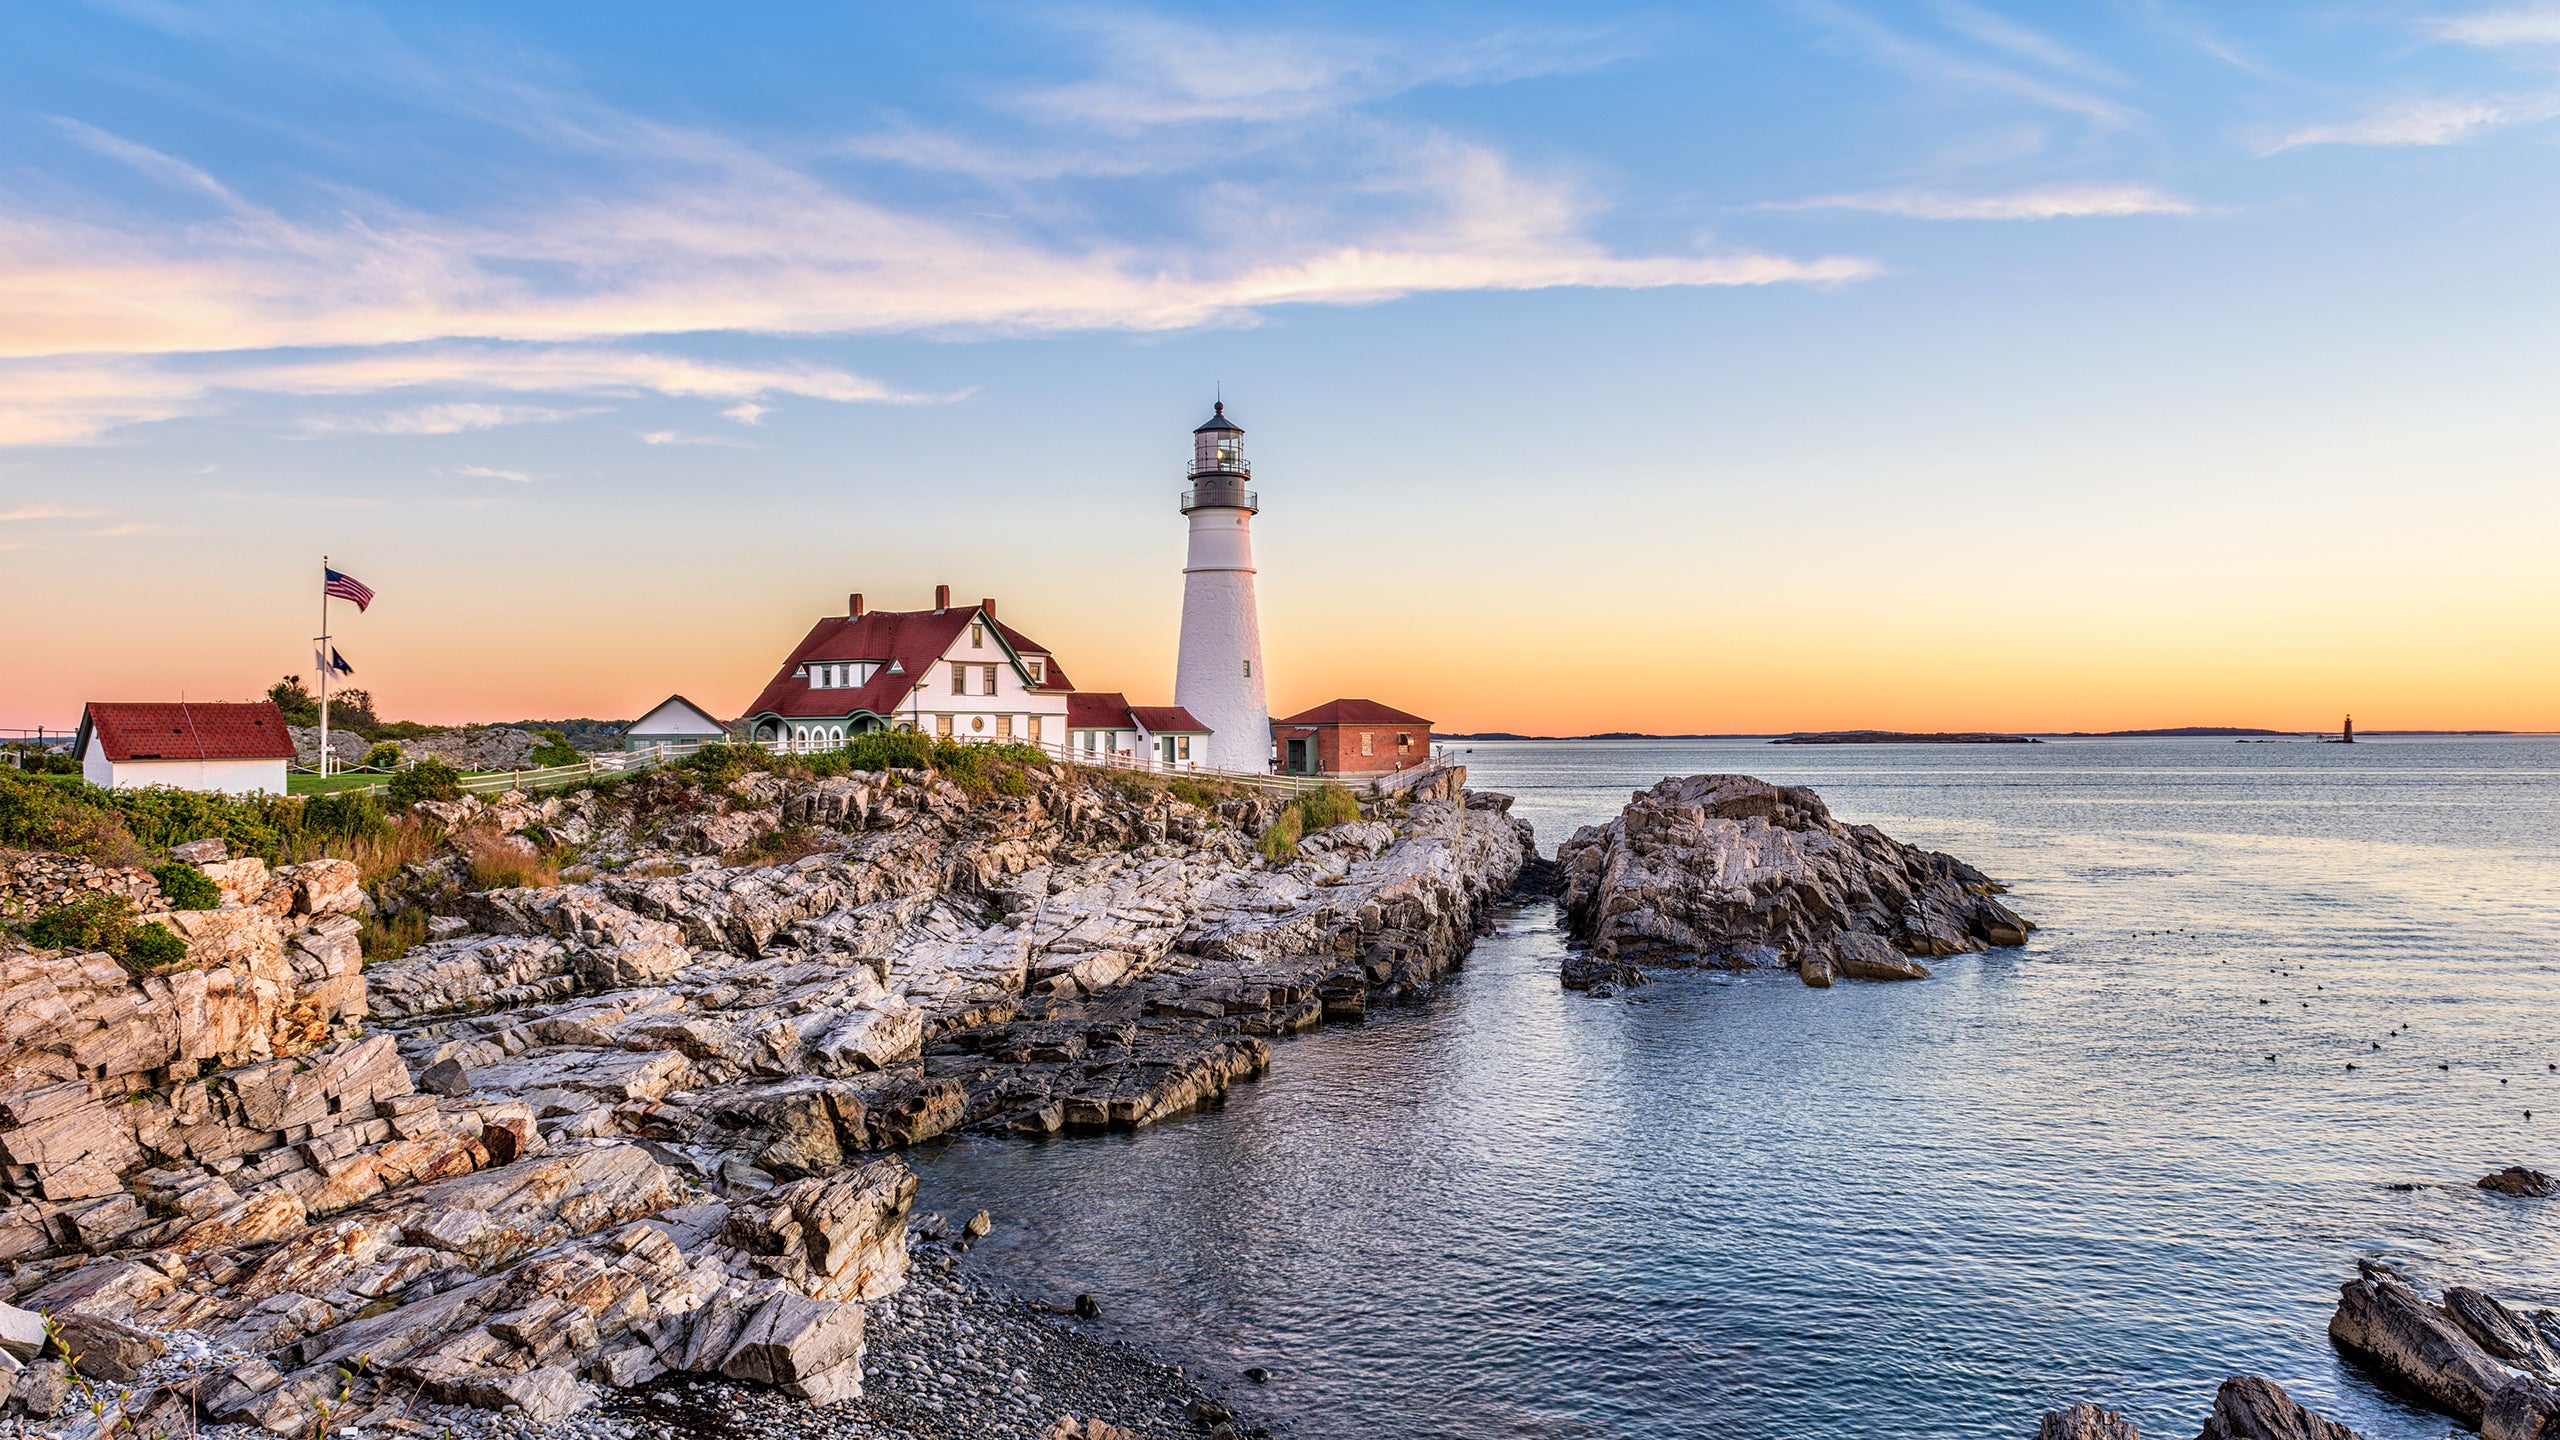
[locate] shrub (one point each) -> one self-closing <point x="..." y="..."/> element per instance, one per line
<point x="554" y="750"/>
<point x="427" y="780"/>
<point x="185" y="887"/>
<point x="92" y="922"/>
<point x="888" y="750"/>
<point x="1310" y="811"/>
<point x="153" y="947"/>
<point x="348" y="814"/>
<point x="1323" y="809"/>
<point x="390" y="937"/>
<point x="385" y="756"/>
<point x="1280" y="838"/>
<point x="720" y="764"/>
<point x="107" y="922"/>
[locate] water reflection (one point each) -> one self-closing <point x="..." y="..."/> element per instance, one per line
<point x="1745" y="1208"/>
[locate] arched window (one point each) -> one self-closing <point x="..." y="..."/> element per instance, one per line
<point x="837" y="734"/>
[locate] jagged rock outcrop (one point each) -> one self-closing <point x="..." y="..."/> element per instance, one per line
<point x="1731" y="871"/>
<point x="2472" y="1356"/>
<point x="2251" y="1408"/>
<point x="2246" y="1408"/>
<point x="633" y="1124"/>
<point x="2085" y="1421"/>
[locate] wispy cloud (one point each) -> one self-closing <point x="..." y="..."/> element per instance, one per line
<point x="483" y="472"/>
<point x="678" y="437"/>
<point x="137" y="529"/>
<point x="46" y="512"/>
<point x="747" y="412"/>
<point x="1970" y="78"/>
<point x="452" y="418"/>
<point x="2517" y="25"/>
<point x="2422" y="122"/>
<point x="649" y="229"/>
<point x="2048" y="203"/>
<point x="2001" y="33"/>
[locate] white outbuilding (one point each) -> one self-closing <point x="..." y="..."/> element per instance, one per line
<point x="234" y="748"/>
<point x="674" y="721"/>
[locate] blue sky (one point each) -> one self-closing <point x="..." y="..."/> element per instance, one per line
<point x="1759" y="365"/>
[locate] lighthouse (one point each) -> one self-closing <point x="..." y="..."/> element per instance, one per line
<point x="1219" y="676"/>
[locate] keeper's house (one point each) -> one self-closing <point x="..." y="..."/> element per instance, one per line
<point x="673" y="721"/>
<point x="237" y="749"/>
<point x="1165" y="737"/>
<point x="952" y="671"/>
<point x="1351" y="737"/>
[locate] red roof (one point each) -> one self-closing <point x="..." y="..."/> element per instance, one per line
<point x="1167" y="720"/>
<point x="1353" y="712"/>
<point x="1099" y="710"/>
<point x="911" y="639"/>
<point x="1111" y="710"/>
<point x="181" y="731"/>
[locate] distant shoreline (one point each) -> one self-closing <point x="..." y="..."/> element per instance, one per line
<point x="1895" y="737"/>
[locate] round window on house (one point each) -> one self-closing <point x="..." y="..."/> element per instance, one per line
<point x="977" y="722"/>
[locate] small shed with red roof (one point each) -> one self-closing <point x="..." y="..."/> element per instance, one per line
<point x="235" y="748"/>
<point x="1103" y="722"/>
<point x="1351" y="737"/>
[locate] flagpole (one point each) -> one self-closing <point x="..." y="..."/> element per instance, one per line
<point x="322" y="659"/>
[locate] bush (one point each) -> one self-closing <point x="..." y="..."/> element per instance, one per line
<point x="1280" y="838"/>
<point x="185" y="887"/>
<point x="348" y="814"/>
<point x="107" y="922"/>
<point x="388" y="938"/>
<point x="555" y="750"/>
<point x="426" y="780"/>
<point x="1309" y="812"/>
<point x="1323" y="809"/>
<point x="153" y="947"/>
<point x="720" y="764"/>
<point x="888" y="750"/>
<point x="92" y="922"/>
<point x="385" y="756"/>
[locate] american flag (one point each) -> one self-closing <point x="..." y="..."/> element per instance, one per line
<point x="347" y="587"/>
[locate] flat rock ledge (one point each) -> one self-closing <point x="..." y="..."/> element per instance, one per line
<point x="1729" y="871"/>
<point x="633" y="1128"/>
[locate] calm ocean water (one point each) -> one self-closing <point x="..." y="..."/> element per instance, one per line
<point x="1732" y="1206"/>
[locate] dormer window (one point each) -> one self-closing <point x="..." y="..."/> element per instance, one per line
<point x="1039" y="668"/>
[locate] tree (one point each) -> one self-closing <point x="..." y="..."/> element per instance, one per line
<point x="296" y="702"/>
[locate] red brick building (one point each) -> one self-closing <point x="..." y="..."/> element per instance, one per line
<point x="1351" y="737"/>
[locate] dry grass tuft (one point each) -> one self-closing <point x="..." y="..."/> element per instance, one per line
<point x="503" y="862"/>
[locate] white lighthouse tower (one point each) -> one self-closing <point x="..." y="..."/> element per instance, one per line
<point x="1219" y="677"/>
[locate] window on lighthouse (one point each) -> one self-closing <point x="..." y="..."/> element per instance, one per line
<point x="1248" y="669"/>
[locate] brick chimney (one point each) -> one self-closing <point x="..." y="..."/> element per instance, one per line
<point x="853" y="604"/>
<point x="988" y="606"/>
<point x="941" y="598"/>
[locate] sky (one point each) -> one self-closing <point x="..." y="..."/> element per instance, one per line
<point x="1755" y="366"/>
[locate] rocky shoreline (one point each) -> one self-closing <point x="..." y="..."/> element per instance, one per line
<point x="633" y="1127"/>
